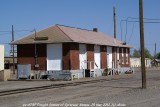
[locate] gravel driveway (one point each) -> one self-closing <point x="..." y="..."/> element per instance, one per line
<point x="121" y="92"/>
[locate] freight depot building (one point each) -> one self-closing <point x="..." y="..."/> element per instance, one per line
<point x="60" y="49"/>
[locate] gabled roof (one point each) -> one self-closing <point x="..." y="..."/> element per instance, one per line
<point x="155" y="60"/>
<point x="61" y="34"/>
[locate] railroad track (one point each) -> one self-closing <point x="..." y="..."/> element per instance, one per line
<point x="52" y="86"/>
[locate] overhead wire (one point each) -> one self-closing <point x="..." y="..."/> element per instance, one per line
<point x="127" y="20"/>
<point x="23" y="30"/>
<point x="131" y="33"/>
<point x="5" y="31"/>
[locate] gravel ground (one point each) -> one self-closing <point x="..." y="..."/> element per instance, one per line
<point x="121" y="92"/>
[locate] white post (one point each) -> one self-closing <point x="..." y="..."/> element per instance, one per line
<point x="90" y="67"/>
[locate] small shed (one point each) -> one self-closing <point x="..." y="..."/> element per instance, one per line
<point x="155" y="62"/>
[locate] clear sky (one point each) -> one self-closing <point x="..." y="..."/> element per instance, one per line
<point x="39" y="14"/>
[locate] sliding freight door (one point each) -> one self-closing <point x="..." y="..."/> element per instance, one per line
<point x="109" y="57"/>
<point x="82" y="56"/>
<point x="97" y="57"/>
<point x="54" y="56"/>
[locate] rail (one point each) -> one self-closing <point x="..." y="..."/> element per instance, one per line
<point x="52" y="86"/>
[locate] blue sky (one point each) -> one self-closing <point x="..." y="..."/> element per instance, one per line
<point x="87" y="14"/>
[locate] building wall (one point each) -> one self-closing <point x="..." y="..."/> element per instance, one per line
<point x="90" y="54"/>
<point x="147" y="62"/>
<point x="124" y="64"/>
<point x="26" y="55"/>
<point x="1" y="57"/>
<point x="117" y="54"/>
<point x="136" y="62"/>
<point x="66" y="56"/>
<point x="120" y="57"/>
<point x="70" y="55"/>
<point x="114" y="60"/>
<point x="41" y="49"/>
<point x="109" y="57"/>
<point x="103" y="57"/>
<point x="128" y="56"/>
<point x="74" y="56"/>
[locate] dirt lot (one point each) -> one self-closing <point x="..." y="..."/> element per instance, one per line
<point x="120" y="92"/>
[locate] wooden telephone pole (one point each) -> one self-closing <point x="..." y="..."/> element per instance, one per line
<point x="114" y="15"/>
<point x="155" y="52"/>
<point x="115" y="49"/>
<point x="13" y="50"/>
<point x="142" y="44"/>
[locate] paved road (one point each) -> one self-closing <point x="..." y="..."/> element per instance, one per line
<point x="123" y="92"/>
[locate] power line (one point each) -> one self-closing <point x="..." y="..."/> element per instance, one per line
<point x="144" y="21"/>
<point x="4" y="43"/>
<point x="127" y="20"/>
<point x="143" y="18"/>
<point x="23" y="30"/>
<point x="121" y="28"/>
<point x="17" y="33"/>
<point x="154" y="21"/>
<point x="5" y="31"/>
<point x="131" y="33"/>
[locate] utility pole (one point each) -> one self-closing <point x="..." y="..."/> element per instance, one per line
<point x="155" y="52"/>
<point x="13" y="50"/>
<point x="114" y="15"/>
<point x="36" y="54"/>
<point x="143" y="70"/>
